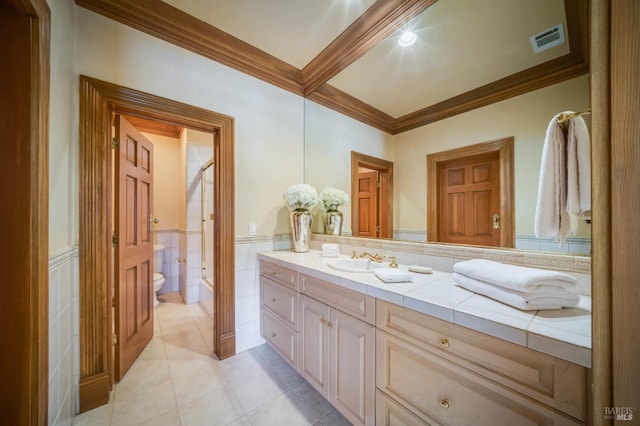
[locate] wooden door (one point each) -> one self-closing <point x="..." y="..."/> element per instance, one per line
<point x="134" y="248"/>
<point x="314" y="343"/>
<point x="469" y="200"/>
<point x="367" y="199"/>
<point x="352" y="380"/>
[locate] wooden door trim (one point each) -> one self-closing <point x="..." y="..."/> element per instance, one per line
<point x="505" y="149"/>
<point x="386" y="189"/>
<point x="25" y="352"/>
<point x="98" y="100"/>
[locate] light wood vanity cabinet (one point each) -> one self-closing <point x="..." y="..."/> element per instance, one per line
<point x="279" y="310"/>
<point x="337" y="353"/>
<point x="446" y="374"/>
<point x="380" y="363"/>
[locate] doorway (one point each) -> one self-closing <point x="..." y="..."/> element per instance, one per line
<point x="470" y="195"/>
<point x="372" y="196"/>
<point x="98" y="101"/>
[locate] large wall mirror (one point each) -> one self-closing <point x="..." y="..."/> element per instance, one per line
<point x="471" y="77"/>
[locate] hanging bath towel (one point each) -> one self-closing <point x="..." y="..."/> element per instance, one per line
<point x="552" y="219"/>
<point x="578" y="172"/>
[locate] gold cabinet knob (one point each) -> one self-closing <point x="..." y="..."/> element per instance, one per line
<point x="444" y="403"/>
<point x="323" y="321"/>
<point x="444" y="343"/>
<point x="329" y="324"/>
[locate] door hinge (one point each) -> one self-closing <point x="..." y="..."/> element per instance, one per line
<point x="113" y="302"/>
<point x="378" y="228"/>
<point x="114" y="240"/>
<point x="114" y="143"/>
<point x="114" y="339"/>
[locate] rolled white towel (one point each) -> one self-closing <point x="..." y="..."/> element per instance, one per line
<point x="551" y="298"/>
<point x="392" y="275"/>
<point x="519" y="278"/>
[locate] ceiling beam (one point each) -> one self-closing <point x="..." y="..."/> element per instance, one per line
<point x="376" y="24"/>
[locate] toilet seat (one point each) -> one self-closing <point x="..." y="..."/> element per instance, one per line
<point x="157" y="276"/>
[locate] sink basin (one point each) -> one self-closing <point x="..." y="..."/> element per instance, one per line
<point x="355" y="265"/>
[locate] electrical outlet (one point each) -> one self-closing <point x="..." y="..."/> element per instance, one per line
<point x="252" y="228"/>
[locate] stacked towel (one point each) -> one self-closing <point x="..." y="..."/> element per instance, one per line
<point x="330" y="250"/>
<point x="518" y="286"/>
<point x="392" y="275"/>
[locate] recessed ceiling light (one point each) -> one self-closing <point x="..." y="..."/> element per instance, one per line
<point x="407" y="38"/>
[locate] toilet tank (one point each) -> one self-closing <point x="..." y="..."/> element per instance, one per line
<point x="158" y="258"/>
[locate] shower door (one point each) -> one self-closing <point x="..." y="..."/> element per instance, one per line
<point x="207" y="223"/>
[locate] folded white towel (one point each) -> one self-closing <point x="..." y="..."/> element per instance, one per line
<point x="553" y="299"/>
<point x="392" y="275"/>
<point x="519" y="278"/>
<point x="330" y="250"/>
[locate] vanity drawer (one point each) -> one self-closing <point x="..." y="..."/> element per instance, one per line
<point x="348" y="301"/>
<point x="283" y="339"/>
<point x="390" y="413"/>
<point x="280" y="301"/>
<point x="279" y="273"/>
<point x="441" y="392"/>
<point x="552" y="381"/>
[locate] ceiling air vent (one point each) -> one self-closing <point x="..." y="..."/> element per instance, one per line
<point x="547" y="39"/>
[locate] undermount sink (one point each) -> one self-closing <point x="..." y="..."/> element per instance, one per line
<point x="355" y="265"/>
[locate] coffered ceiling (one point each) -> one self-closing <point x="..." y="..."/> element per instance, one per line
<point x="344" y="54"/>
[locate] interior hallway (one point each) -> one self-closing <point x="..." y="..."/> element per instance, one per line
<point x="175" y="381"/>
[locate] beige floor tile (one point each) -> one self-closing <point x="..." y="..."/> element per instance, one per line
<point x="154" y="350"/>
<point x="285" y="409"/>
<point x="190" y="387"/>
<point x="100" y="416"/>
<point x="170" y="418"/>
<point x="139" y="407"/>
<point x="142" y="375"/>
<point x="219" y="408"/>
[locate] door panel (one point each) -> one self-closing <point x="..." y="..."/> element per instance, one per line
<point x="134" y="250"/>
<point x="469" y="198"/>
<point x="314" y="343"/>
<point x="367" y="204"/>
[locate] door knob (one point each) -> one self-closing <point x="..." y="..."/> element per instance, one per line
<point x="153" y="219"/>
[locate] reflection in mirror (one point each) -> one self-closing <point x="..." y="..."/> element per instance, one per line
<point x="330" y="137"/>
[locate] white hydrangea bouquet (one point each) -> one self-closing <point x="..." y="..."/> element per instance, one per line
<point x="331" y="198"/>
<point x="301" y="196"/>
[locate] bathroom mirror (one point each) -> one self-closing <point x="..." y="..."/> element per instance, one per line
<point x="461" y="46"/>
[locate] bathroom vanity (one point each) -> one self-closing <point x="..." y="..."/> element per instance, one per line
<point x="412" y="353"/>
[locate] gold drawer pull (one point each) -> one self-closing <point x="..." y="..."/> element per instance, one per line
<point x="329" y="324"/>
<point x="323" y="321"/>
<point x="444" y="343"/>
<point x="444" y="403"/>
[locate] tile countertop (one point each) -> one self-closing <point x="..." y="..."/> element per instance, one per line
<point x="563" y="333"/>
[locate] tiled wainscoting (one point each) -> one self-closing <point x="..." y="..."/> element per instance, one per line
<point x="576" y="245"/>
<point x="64" y="365"/>
<point x="248" y="286"/>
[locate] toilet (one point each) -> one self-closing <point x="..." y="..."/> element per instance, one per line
<point x="158" y="278"/>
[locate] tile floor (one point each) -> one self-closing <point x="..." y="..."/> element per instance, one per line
<point x="175" y="381"/>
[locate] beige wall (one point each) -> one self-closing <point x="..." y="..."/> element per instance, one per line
<point x="268" y="120"/>
<point x="63" y="130"/>
<point x="329" y="139"/>
<point x="525" y="117"/>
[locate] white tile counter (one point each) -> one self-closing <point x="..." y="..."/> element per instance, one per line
<point x="563" y="333"/>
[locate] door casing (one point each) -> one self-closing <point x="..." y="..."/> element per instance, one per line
<point x="505" y="149"/>
<point x="98" y="101"/>
<point x="385" y="199"/>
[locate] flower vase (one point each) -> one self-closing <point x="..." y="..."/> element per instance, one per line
<point x="332" y="221"/>
<point x="301" y="220"/>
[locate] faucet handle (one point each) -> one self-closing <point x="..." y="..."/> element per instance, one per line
<point x="393" y="263"/>
<point x="354" y="255"/>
